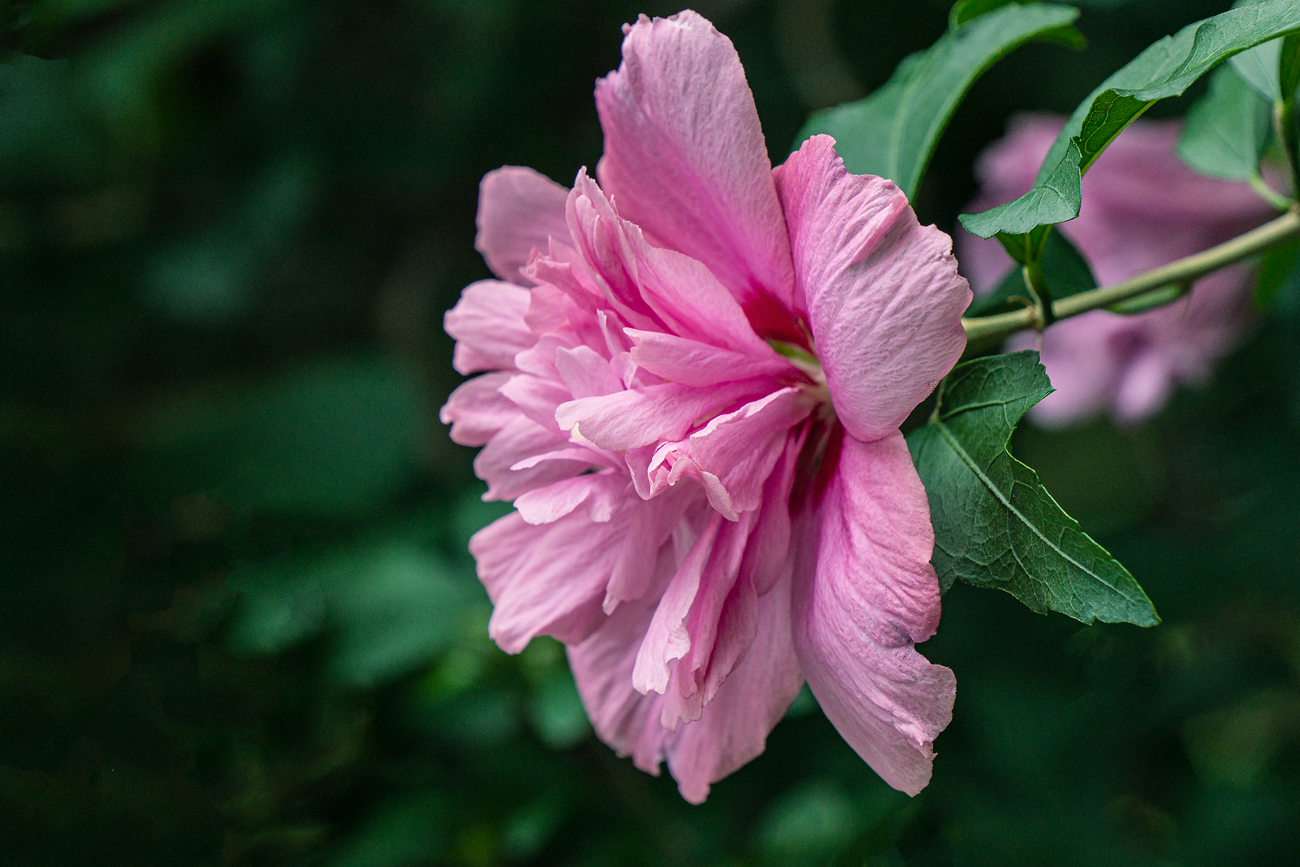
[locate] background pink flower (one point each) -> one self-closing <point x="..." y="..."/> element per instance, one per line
<point x="1142" y="207"/>
<point x="704" y="520"/>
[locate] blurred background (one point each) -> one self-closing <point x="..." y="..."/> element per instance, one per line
<point x="238" y="625"/>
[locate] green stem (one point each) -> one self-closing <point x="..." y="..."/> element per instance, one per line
<point x="1284" y="128"/>
<point x="1268" y="194"/>
<point x="1036" y="280"/>
<point x="984" y="331"/>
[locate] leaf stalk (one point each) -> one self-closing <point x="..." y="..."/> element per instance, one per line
<point x="984" y="331"/>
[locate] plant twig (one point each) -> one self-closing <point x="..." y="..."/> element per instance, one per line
<point x="984" y="331"/>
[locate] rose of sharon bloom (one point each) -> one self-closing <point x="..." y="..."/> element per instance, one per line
<point x="695" y="373"/>
<point x="1142" y="208"/>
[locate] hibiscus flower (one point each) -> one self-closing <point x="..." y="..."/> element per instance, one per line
<point x="1142" y="208"/>
<point x="694" y="375"/>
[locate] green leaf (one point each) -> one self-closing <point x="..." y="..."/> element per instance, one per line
<point x="1288" y="64"/>
<point x="1259" y="67"/>
<point x="390" y="605"/>
<point x="1279" y="272"/>
<point x="994" y="523"/>
<point x="967" y="10"/>
<point x="1262" y="65"/>
<point x="333" y="439"/>
<point x="893" y="132"/>
<point x="1066" y="271"/>
<point x="1227" y="131"/>
<point x="1166" y="68"/>
<point x="1055" y="200"/>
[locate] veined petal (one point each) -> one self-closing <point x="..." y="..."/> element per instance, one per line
<point x="768" y="554"/>
<point x="883" y="296"/>
<point x="602" y="669"/>
<point x="685" y="157"/>
<point x="519" y="439"/>
<point x="519" y="211"/>
<point x="537" y="585"/>
<point x="551" y="578"/>
<point x="719" y="624"/>
<point x="488" y="325"/>
<point x="639" y="417"/>
<point x="536" y="398"/>
<point x="690" y="362"/>
<point x="599" y="492"/>
<point x="864" y="593"/>
<point x="655" y="287"/>
<point x="740" y="448"/>
<point x="476" y="410"/>
<point x="667" y="638"/>
<point x="733" y="728"/>
<point x="586" y="372"/>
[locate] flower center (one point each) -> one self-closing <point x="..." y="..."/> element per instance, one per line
<point x="809" y="365"/>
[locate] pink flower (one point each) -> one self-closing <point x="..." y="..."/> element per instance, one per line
<point x="696" y="370"/>
<point x="1142" y="208"/>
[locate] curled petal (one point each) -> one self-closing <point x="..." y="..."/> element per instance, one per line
<point x="552" y="578"/>
<point x="488" y="325"/>
<point x="639" y="417"/>
<point x="519" y="211"/>
<point x="685" y="157"/>
<point x="477" y="410"/>
<point x="864" y="593"/>
<point x="882" y="292"/>
<point x="732" y="728"/>
<point x="503" y="463"/>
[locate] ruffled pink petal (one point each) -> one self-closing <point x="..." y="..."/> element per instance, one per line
<point x="599" y="492"/>
<point x="586" y="373"/>
<point x="690" y="362"/>
<point x="536" y="398"/>
<point x="551" y="578"/>
<point x="667" y="638"/>
<point x="639" y="417"/>
<point x="685" y="157"/>
<point x="768" y="554"/>
<point x="519" y="211"/>
<point x="733" y="728"/>
<point x="864" y="593"/>
<point x="520" y="439"/>
<point x="477" y="410"/>
<point x="719" y="620"/>
<point x="733" y="455"/>
<point x="602" y="669"/>
<point x="657" y="518"/>
<point x="654" y="287"/>
<point x="488" y="325"/>
<point x="883" y="295"/>
<point x="740" y="448"/>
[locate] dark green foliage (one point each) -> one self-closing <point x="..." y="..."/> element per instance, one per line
<point x="1228" y="130"/>
<point x="238" y="624"/>
<point x="995" y="525"/>
<point x="1167" y="68"/>
<point x="893" y="132"/>
<point x="1064" y="268"/>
